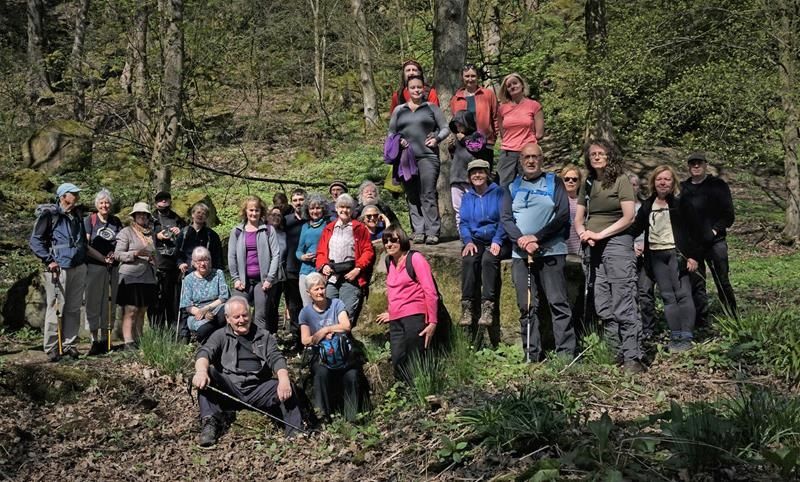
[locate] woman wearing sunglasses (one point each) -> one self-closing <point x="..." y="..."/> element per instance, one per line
<point x="412" y="307"/>
<point x="573" y="179"/>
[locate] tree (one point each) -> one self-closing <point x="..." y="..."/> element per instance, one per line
<point x="171" y="95"/>
<point x="367" y="82"/>
<point x="77" y="61"/>
<point x="38" y="81"/>
<point x="599" y="122"/>
<point x="137" y="63"/>
<point x="449" y="55"/>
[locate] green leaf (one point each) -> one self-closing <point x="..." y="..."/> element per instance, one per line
<point x="545" y="475"/>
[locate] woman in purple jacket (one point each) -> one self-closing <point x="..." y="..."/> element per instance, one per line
<point x="485" y="244"/>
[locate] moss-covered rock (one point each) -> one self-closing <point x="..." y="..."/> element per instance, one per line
<point x="61" y="146"/>
<point x="182" y="204"/>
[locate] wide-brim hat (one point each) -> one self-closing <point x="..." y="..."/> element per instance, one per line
<point x="140" y="207"/>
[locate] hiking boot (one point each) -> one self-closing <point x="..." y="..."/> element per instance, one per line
<point x="130" y="346"/>
<point x="418" y="238"/>
<point x="72" y="352"/>
<point x="209" y="433"/>
<point x="98" y="348"/>
<point x="431" y="240"/>
<point x="632" y="367"/>
<point x="487" y="313"/>
<point x="53" y="356"/>
<point x="466" y="313"/>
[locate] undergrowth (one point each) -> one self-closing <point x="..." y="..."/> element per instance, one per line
<point x="160" y="351"/>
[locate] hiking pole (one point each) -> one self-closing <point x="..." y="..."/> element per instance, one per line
<point x="178" y="321"/>
<point x="110" y="319"/>
<point x="262" y="412"/>
<point x="58" y="290"/>
<point x="530" y="296"/>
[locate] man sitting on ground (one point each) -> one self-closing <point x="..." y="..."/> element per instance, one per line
<point x="240" y="360"/>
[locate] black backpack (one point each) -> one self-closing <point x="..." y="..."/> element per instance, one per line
<point x="441" y="337"/>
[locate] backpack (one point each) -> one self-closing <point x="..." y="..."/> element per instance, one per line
<point x="334" y="353"/>
<point x="49" y="209"/>
<point x="441" y="337"/>
<point x="550" y="191"/>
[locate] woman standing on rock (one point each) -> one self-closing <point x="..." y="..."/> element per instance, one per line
<point x="421" y="127"/>
<point x="606" y="201"/>
<point x="482" y="103"/>
<point x="254" y="258"/>
<point x="409" y="68"/>
<point x="520" y="121"/>
<point x="102" y="271"/>
<point x="135" y="251"/>
<point x="315" y="216"/>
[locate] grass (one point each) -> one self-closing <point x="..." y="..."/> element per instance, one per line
<point x="160" y="351"/>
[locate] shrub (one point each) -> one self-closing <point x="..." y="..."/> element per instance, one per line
<point x="160" y="351"/>
<point x="426" y="375"/>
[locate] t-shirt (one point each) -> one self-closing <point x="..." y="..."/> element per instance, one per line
<point x="315" y="320"/>
<point x="247" y="360"/>
<point x="604" y="202"/>
<point x="660" y="232"/>
<point x="102" y="236"/>
<point x="251" y="248"/>
<point x="518" y="123"/>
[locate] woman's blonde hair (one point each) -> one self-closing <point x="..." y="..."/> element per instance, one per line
<point x="503" y="94"/>
<point x="651" y="181"/>
<point x="252" y="199"/>
<point x="571" y="167"/>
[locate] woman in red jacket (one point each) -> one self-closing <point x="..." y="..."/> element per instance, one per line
<point x="345" y="256"/>
<point x="401" y="95"/>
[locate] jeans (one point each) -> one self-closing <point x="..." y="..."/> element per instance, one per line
<point x="716" y="258"/>
<point x="547" y="272"/>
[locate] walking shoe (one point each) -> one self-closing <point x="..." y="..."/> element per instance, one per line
<point x="72" y="352"/>
<point x="209" y="433"/>
<point x="130" y="346"/>
<point x="53" y="356"/>
<point x="431" y="240"/>
<point x="632" y="367"/>
<point x="418" y="238"/>
<point x="487" y="313"/>
<point x="466" y="313"/>
<point x="98" y="348"/>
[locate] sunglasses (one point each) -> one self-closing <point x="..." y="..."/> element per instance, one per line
<point x="370" y="216"/>
<point x="391" y="239"/>
<point x="570" y="179"/>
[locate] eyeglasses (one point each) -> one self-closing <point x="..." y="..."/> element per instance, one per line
<point x="391" y="239"/>
<point x="598" y="154"/>
<point x="570" y="179"/>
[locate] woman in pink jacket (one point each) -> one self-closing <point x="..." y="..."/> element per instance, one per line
<point x="413" y="302"/>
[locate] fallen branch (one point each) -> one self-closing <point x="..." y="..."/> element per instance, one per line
<point x="265" y="179"/>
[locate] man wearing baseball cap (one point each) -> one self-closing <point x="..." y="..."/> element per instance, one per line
<point x="59" y="240"/>
<point x="167" y="225"/>
<point x="711" y="201"/>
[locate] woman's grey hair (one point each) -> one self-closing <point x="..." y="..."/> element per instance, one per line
<point x="313" y="280"/>
<point x="345" y="200"/>
<point x="369" y="207"/>
<point x="103" y="194"/>
<point x="367" y="183"/>
<point x="314" y="199"/>
<point x="200" y="253"/>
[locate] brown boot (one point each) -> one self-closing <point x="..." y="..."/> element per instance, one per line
<point x="466" y="313"/>
<point x="487" y="313"/>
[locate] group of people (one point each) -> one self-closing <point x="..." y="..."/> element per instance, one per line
<point x="318" y="253"/>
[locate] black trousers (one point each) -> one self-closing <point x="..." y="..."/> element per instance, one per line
<point x="294" y="303"/>
<point x="482" y="270"/>
<point x="165" y="311"/>
<point x="273" y="306"/>
<point x="340" y="391"/>
<point x="405" y="344"/>
<point x="715" y="257"/>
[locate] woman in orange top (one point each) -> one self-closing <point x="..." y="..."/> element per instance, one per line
<point x="480" y="101"/>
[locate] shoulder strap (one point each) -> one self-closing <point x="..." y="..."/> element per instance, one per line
<point x="550" y="178"/>
<point x="410" y="266"/>
<point x="514" y="186"/>
<point x="93" y="220"/>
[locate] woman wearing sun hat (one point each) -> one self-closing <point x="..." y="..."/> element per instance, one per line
<point x="135" y="251"/>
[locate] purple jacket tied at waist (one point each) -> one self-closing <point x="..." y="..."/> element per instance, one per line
<point x="404" y="164"/>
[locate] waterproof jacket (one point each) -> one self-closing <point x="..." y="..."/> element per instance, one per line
<point x="59" y="237"/>
<point x="681" y="219"/>
<point x="221" y="350"/>
<point x="480" y="216"/>
<point x="364" y="254"/>
<point x="269" y="254"/>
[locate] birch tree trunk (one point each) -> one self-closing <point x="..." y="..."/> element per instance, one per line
<point x="38" y="81"/>
<point x="449" y="55"/>
<point x="368" y="94"/>
<point x="171" y="96"/>
<point x="77" y="61"/>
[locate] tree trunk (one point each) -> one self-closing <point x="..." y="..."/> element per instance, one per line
<point x="76" y="61"/>
<point x="38" y="82"/>
<point x="788" y="44"/>
<point x="137" y="60"/>
<point x="319" y="48"/>
<point x="449" y="54"/>
<point x="368" y="94"/>
<point x="491" y="47"/>
<point x="599" y="125"/>
<point x="171" y="96"/>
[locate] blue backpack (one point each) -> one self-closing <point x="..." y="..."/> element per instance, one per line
<point x="334" y="353"/>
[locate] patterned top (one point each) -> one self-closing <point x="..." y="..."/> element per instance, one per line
<point x="199" y="292"/>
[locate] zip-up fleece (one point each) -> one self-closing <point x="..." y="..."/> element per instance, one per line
<point x="269" y="253"/>
<point x="480" y="216"/>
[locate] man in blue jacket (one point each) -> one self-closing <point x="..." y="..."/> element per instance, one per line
<point x="59" y="240"/>
<point x="535" y="215"/>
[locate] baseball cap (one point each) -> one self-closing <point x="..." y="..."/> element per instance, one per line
<point x="67" y="187"/>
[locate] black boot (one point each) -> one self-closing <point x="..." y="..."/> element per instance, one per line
<point x="209" y="433"/>
<point x="98" y="348"/>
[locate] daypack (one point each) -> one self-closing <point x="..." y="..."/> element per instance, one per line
<point x="550" y="191"/>
<point x="334" y="352"/>
<point x="52" y="214"/>
<point x="441" y="337"/>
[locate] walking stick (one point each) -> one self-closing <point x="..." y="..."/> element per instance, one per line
<point x="178" y="322"/>
<point x="58" y="289"/>
<point x="262" y="412"/>
<point x="530" y="296"/>
<point x="110" y="319"/>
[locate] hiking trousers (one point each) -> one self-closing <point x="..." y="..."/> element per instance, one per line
<point x="646" y="298"/>
<point x="676" y="291"/>
<point x="406" y="344"/>
<point x="507" y="167"/>
<point x="423" y="199"/>
<point x="66" y="293"/>
<point x="716" y="258"/>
